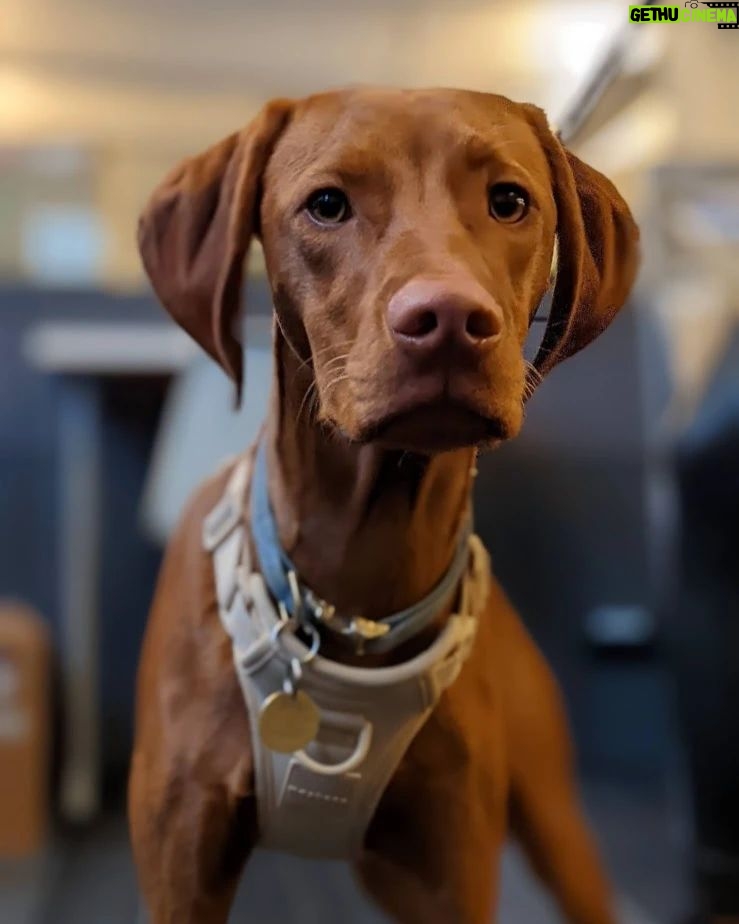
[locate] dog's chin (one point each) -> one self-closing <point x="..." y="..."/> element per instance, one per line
<point x="437" y="426"/>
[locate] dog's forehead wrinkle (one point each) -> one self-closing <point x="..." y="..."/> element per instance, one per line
<point x="370" y="127"/>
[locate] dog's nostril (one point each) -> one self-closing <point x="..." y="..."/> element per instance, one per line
<point x="425" y="322"/>
<point x="413" y="321"/>
<point x="482" y="324"/>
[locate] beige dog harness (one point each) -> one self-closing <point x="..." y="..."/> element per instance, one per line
<point x="318" y="799"/>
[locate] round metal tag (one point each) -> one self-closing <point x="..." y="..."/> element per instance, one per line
<point x="288" y="722"/>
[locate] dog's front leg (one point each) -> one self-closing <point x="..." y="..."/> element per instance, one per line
<point x="456" y="886"/>
<point x="546" y="814"/>
<point x="190" y="842"/>
<point x="405" y="896"/>
<point x="191" y="798"/>
<point x="192" y="810"/>
<point x="433" y="848"/>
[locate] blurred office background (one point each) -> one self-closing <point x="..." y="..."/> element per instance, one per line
<point x="98" y="99"/>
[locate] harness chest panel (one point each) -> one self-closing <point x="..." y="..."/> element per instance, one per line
<point x="319" y="801"/>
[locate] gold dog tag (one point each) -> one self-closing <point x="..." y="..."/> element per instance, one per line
<point x="288" y="721"/>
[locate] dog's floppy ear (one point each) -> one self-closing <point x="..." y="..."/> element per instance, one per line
<point x="195" y="231"/>
<point x="598" y="251"/>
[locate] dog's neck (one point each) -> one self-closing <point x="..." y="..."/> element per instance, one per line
<point x="369" y="530"/>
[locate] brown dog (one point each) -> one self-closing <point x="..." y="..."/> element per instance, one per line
<point x="408" y="238"/>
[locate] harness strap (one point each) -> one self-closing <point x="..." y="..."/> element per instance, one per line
<point x="318" y="802"/>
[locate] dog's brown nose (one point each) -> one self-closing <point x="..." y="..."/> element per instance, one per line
<point x="429" y="314"/>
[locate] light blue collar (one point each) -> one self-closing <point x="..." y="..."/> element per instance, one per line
<point x="300" y="605"/>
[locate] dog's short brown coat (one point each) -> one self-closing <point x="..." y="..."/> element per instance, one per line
<point x="370" y="451"/>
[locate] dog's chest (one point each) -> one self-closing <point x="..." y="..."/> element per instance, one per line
<point x="318" y="784"/>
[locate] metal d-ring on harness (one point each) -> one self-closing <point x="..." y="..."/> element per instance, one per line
<point x="326" y="737"/>
<point x="289" y="719"/>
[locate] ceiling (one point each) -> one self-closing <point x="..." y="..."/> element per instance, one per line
<point x="98" y="98"/>
<point x="169" y="73"/>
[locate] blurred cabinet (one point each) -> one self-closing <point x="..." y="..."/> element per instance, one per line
<point x="24" y="731"/>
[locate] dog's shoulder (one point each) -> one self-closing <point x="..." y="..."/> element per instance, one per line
<point x="187" y="654"/>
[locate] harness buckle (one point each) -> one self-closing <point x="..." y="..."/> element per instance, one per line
<point x="357" y="629"/>
<point x="365" y="630"/>
<point x="361" y="630"/>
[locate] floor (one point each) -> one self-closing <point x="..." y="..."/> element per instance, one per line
<point x="88" y="878"/>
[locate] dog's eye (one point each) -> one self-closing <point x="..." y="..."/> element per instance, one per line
<point x="328" y="207"/>
<point x="508" y="202"/>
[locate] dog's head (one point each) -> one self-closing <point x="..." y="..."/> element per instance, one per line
<point x="408" y="238"/>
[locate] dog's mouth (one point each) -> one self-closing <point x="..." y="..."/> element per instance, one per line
<point x="436" y="426"/>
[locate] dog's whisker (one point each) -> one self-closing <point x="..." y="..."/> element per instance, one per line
<point x="335" y="361"/>
<point x="310" y="390"/>
<point x="532" y="372"/>
<point x="310" y="360"/>
<point x="532" y="380"/>
<point x="334" y="382"/>
<point x="333" y="346"/>
<point x="311" y="399"/>
<point x="314" y="407"/>
<point x="287" y="339"/>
